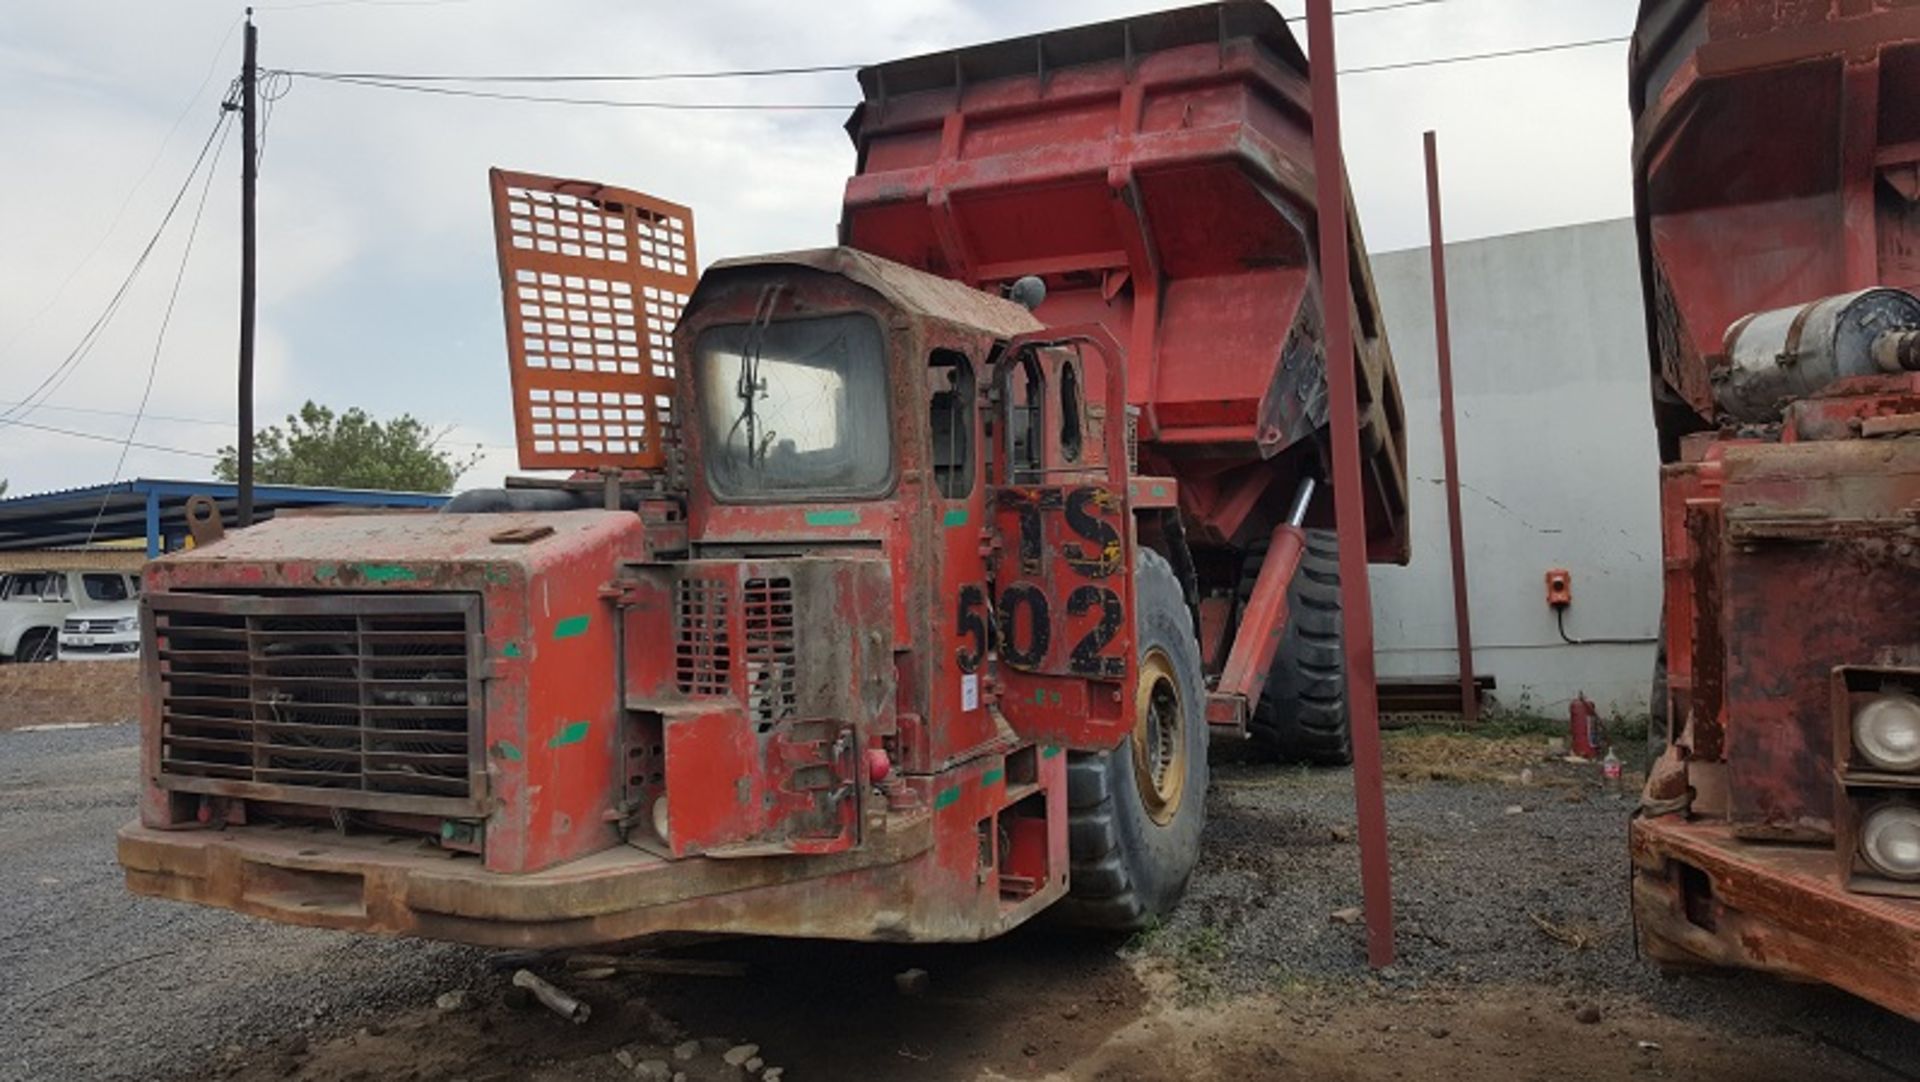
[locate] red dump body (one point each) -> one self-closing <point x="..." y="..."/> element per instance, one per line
<point x="1157" y="173"/>
<point x="1777" y="163"/>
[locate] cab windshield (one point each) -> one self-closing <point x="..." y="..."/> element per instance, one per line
<point x="795" y="406"/>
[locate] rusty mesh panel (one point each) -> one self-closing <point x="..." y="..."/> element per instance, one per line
<point x="772" y="673"/>
<point x="593" y="279"/>
<point x="703" y="646"/>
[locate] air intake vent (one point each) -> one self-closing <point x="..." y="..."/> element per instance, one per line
<point x="771" y="676"/>
<point x="702" y="652"/>
<point x="367" y="701"/>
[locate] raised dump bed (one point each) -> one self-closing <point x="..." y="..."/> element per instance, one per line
<point x="1157" y="173"/>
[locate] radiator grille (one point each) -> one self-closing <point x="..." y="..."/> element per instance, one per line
<point x="362" y="698"/>
<point x="702" y="652"/>
<point x="771" y="676"/>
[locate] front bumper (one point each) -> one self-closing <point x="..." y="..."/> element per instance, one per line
<point x="1704" y="897"/>
<point x="395" y="886"/>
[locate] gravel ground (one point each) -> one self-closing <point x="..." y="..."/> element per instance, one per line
<point x="1499" y="883"/>
<point x="1252" y="977"/>
<point x="102" y="985"/>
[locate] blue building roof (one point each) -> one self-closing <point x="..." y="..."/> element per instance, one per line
<point x="156" y="509"/>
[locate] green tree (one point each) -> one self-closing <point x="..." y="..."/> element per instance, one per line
<point x="349" y="450"/>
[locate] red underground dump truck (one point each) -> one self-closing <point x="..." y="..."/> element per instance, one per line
<point x="1777" y="154"/>
<point x="897" y="592"/>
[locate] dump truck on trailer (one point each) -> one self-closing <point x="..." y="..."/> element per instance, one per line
<point x="884" y="607"/>
<point x="1778" y="185"/>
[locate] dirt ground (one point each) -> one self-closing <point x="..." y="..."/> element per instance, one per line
<point x="1516" y="963"/>
<point x="69" y="693"/>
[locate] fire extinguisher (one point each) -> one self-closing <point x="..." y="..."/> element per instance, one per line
<point x="1583" y="728"/>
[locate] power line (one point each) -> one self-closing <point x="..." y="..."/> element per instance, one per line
<point x="676" y="76"/>
<point x="646" y="77"/>
<point x="103" y="438"/>
<point x="1436" y="61"/>
<point x="166" y="319"/>
<point x="207" y="421"/>
<point x="428" y="84"/>
<point x="52" y="381"/>
<point x="617" y="103"/>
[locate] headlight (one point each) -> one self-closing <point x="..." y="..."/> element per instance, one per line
<point x="659" y="816"/>
<point x="1890" y="841"/>
<point x="1886" y="730"/>
<point x="127" y="623"/>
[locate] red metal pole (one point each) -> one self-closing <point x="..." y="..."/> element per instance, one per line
<point x="1336" y="287"/>
<point x="1449" y="448"/>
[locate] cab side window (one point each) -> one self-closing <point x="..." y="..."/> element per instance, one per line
<point x="950" y="423"/>
<point x="1027" y="392"/>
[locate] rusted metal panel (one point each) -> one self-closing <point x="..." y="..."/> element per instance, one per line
<point x="1701" y="895"/>
<point x="768" y="679"/>
<point x="592" y="281"/>
<point x="977" y="881"/>
<point x="547" y="666"/>
<point x="1822" y="544"/>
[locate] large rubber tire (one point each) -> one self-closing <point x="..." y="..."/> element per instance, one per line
<point x="1302" y="716"/>
<point x="1129" y="864"/>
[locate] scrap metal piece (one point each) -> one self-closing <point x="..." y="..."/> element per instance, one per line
<point x="553" y="998"/>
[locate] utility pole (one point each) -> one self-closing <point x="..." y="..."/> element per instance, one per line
<point x="1449" y="444"/>
<point x="1336" y="291"/>
<point x="249" y="174"/>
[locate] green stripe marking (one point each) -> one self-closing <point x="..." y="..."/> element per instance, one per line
<point x="505" y="749"/>
<point x="956" y="517"/>
<point x="511" y="649"/>
<point x="946" y="797"/>
<point x="1048" y="753"/>
<point x="833" y="518"/>
<point x="572" y="627"/>
<point x="386" y="573"/>
<point x="572" y="734"/>
<point x="991" y="778"/>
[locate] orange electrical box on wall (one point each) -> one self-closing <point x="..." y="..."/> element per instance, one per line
<point x="1559" y="588"/>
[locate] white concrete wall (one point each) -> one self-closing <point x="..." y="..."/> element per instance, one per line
<point x="1557" y="462"/>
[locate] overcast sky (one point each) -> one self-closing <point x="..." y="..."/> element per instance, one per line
<point x="377" y="276"/>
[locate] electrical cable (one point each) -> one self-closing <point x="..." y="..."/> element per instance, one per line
<point x="674" y="76"/>
<point x="428" y="84"/>
<point x="103" y="438"/>
<point x="617" y="103"/>
<point x="1497" y="54"/>
<point x="1560" y="617"/>
<point x="74" y="357"/>
<point x="166" y="319"/>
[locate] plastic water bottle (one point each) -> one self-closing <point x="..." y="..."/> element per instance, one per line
<point x="1610" y="768"/>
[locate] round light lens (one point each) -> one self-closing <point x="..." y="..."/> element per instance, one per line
<point x="1890" y="841"/>
<point x="659" y="811"/>
<point x="1886" y="730"/>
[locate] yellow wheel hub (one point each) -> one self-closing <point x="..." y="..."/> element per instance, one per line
<point x="1159" y="738"/>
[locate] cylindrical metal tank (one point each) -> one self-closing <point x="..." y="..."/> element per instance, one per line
<point x="1774" y="357"/>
